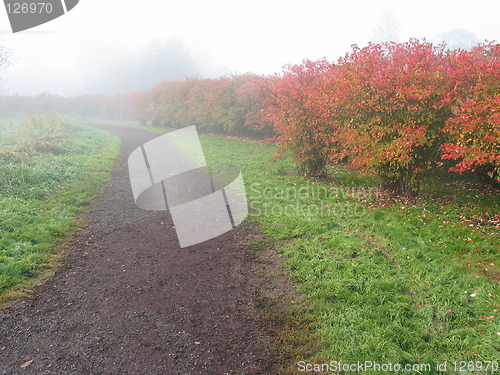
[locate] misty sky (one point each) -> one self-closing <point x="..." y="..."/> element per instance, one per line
<point x="119" y="45"/>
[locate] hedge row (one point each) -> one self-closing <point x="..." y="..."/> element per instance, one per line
<point x="395" y="109"/>
<point x="229" y="105"/>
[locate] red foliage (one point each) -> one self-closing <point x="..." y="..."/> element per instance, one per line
<point x="392" y="99"/>
<point x="394" y="109"/>
<point x="293" y="105"/>
<point x="223" y="105"/>
<point x="474" y="128"/>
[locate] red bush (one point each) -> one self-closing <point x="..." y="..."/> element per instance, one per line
<point x="474" y="128"/>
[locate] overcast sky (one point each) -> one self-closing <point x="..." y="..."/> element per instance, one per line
<point x="221" y="36"/>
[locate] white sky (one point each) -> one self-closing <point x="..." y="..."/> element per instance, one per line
<point x="237" y="36"/>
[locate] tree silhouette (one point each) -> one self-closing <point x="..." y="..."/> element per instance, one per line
<point x="459" y="38"/>
<point x="138" y="69"/>
<point x="387" y="29"/>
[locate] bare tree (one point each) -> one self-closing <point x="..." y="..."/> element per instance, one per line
<point x="5" y="57"/>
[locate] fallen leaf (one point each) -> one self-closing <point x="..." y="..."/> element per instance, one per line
<point x="26" y="364"/>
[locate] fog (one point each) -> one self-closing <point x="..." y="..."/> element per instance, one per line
<point x="140" y="68"/>
<point x="100" y="67"/>
<point x="117" y="46"/>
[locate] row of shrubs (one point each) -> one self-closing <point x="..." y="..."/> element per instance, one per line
<point x="227" y="105"/>
<point x="394" y="109"/>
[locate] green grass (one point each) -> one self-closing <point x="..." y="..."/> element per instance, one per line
<point x="383" y="279"/>
<point x="49" y="172"/>
<point x="397" y="282"/>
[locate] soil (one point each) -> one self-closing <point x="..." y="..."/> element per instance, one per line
<point x="129" y="300"/>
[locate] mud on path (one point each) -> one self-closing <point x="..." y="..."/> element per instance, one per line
<point x="129" y="301"/>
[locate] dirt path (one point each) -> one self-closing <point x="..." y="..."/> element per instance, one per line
<point x="130" y="301"/>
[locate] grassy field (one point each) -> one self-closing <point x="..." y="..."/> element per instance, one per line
<point x="49" y="172"/>
<point x="387" y="280"/>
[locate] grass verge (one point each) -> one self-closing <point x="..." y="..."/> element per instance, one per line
<point x="49" y="172"/>
<point x="384" y="280"/>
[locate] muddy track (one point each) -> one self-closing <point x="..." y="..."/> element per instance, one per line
<point x="129" y="300"/>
